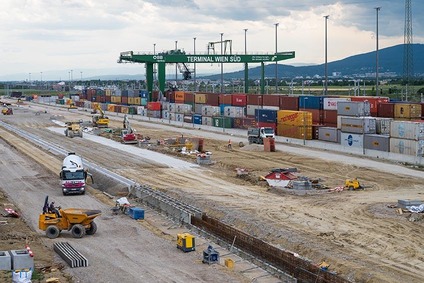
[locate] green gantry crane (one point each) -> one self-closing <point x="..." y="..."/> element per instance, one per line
<point x="180" y="57"/>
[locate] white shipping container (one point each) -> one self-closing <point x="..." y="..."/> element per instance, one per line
<point x="183" y="108"/>
<point x="141" y="111"/>
<point x="198" y="109"/>
<point x="408" y="147"/>
<point x="179" y="117"/>
<point x="270" y="108"/>
<point x="407" y="130"/>
<point x="382" y="125"/>
<point x="358" y="125"/>
<point x="234" y="111"/>
<point x="250" y="109"/>
<point x="166" y="115"/>
<point x="207" y="121"/>
<point x="211" y="111"/>
<point x="165" y="105"/>
<point x="353" y="108"/>
<point x="330" y="103"/>
<point x="352" y="140"/>
<point x="329" y="134"/>
<point x="172" y="107"/>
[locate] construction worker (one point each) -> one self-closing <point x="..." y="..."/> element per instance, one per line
<point x="229" y="145"/>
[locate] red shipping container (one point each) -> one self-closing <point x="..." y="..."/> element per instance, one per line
<point x="289" y="103"/>
<point x="225" y="99"/>
<point x="244" y="123"/>
<point x="238" y="100"/>
<point x="108" y="99"/>
<point x="154" y="106"/>
<point x="189" y="97"/>
<point x="374" y="101"/>
<point x="271" y="100"/>
<point x="254" y="99"/>
<point x="317" y="116"/>
<point x="124" y="100"/>
<point x="212" y="99"/>
<point x="155" y="95"/>
<point x="118" y="108"/>
<point x="329" y="117"/>
<point x="267" y="124"/>
<point x="386" y="110"/>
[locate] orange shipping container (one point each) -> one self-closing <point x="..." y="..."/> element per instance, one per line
<point x="124" y="109"/>
<point x="94" y="105"/>
<point x="111" y="107"/>
<point x="373" y="100"/>
<point x="408" y="110"/>
<point x="137" y="100"/>
<point x="292" y="131"/>
<point x="179" y="96"/>
<point x="296" y="118"/>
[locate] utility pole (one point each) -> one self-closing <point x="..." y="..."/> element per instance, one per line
<point x="246" y="68"/>
<point x="194" y="67"/>
<point x="377" y="9"/>
<point x="326" y="63"/>
<point x="276" y="62"/>
<point x="408" y="62"/>
<point x="222" y="68"/>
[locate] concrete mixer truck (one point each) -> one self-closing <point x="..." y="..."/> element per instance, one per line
<point x="73" y="175"/>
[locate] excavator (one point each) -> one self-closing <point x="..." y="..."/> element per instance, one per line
<point x="6" y="110"/>
<point x="128" y="134"/>
<point x="99" y="119"/>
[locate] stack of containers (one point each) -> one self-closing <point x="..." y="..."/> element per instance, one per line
<point x="108" y="95"/>
<point x="266" y="118"/>
<point x="144" y="97"/>
<point x="208" y="112"/>
<point x="294" y="124"/>
<point x="329" y="117"/>
<point x="289" y="103"/>
<point x="199" y="102"/>
<point x="253" y="101"/>
<point x="407" y="111"/>
<point x="116" y="96"/>
<point x="313" y="104"/>
<point x="224" y="101"/>
<point x="374" y="101"/>
<point x="154" y="109"/>
<point x="124" y="97"/>
<point x="237" y="108"/>
<point x="271" y="102"/>
<point x="407" y="137"/>
<point x="353" y="120"/>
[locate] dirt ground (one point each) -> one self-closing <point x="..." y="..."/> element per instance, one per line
<point x="358" y="232"/>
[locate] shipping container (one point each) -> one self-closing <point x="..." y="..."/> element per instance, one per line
<point x="386" y="110"/>
<point x="266" y="115"/>
<point x="239" y="100"/>
<point x="234" y="111"/>
<point x="222" y="108"/>
<point x="144" y="93"/>
<point x="311" y="102"/>
<point x="289" y="103"/>
<point x="183" y="108"/>
<point x="154" y="113"/>
<point x="329" y="117"/>
<point x="188" y="119"/>
<point x="374" y="101"/>
<point x="407" y="130"/>
<point x="211" y="111"/>
<point x="353" y="108"/>
<point x="222" y="122"/>
<point x="352" y="140"/>
<point x="254" y="99"/>
<point x="250" y="109"/>
<point x="244" y="123"/>
<point x="189" y="98"/>
<point x="292" y="131"/>
<point x="212" y="99"/>
<point x="317" y="115"/>
<point x="179" y="96"/>
<point x="271" y="100"/>
<point x="407" y="110"/>
<point x="208" y="121"/>
<point x="296" y="118"/>
<point x="118" y="108"/>
<point x="197" y="119"/>
<point x="382" y="125"/>
<point x="225" y="99"/>
<point x="358" y="125"/>
<point x="377" y="142"/>
<point x="144" y="101"/>
<point x="200" y="98"/>
<point x="124" y="100"/>
<point x="267" y="125"/>
<point x="330" y="103"/>
<point x="154" y="106"/>
<point x="329" y="134"/>
<point x="111" y="107"/>
<point x="179" y="117"/>
<point x="198" y="108"/>
<point x="141" y="111"/>
<point x="268" y="107"/>
<point x="408" y="147"/>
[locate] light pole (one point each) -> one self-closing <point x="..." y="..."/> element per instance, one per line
<point x="194" y="52"/>
<point x="176" y="64"/>
<point x="154" y="48"/>
<point x="276" y="62"/>
<point x="246" y="70"/>
<point x="326" y="64"/>
<point x="377" y="9"/>
<point x="222" y="68"/>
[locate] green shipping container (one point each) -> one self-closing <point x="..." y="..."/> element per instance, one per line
<point x="132" y="110"/>
<point x="223" y="122"/>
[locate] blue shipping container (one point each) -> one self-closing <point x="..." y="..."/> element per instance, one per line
<point x="311" y="102"/>
<point x="222" y="106"/>
<point x="197" y="119"/>
<point x="136" y="213"/>
<point x="266" y="115"/>
<point x="144" y="93"/>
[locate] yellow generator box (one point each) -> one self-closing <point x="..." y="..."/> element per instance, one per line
<point x="186" y="242"/>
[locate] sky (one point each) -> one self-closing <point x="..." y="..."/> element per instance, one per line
<point x="77" y="39"/>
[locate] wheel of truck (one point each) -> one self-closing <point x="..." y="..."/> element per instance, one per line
<point x="351" y="188"/>
<point x="92" y="230"/>
<point x="71" y="134"/>
<point x="52" y="232"/>
<point x="78" y="231"/>
<point x="80" y="134"/>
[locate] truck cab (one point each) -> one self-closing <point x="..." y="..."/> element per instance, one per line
<point x="73" y="175"/>
<point x="256" y="135"/>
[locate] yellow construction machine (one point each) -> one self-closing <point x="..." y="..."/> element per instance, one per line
<point x="79" y="221"/>
<point x="72" y="105"/>
<point x="6" y="110"/>
<point x="99" y="119"/>
<point x="73" y="129"/>
<point x="353" y="184"/>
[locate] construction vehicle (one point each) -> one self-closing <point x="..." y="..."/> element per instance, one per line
<point x="78" y="221"/>
<point x="186" y="242"/>
<point x="128" y="134"/>
<point x="73" y="175"/>
<point x="257" y="135"/>
<point x="72" y="105"/>
<point x="6" y="110"/>
<point x="73" y="129"/>
<point x="99" y="119"/>
<point x="353" y="184"/>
